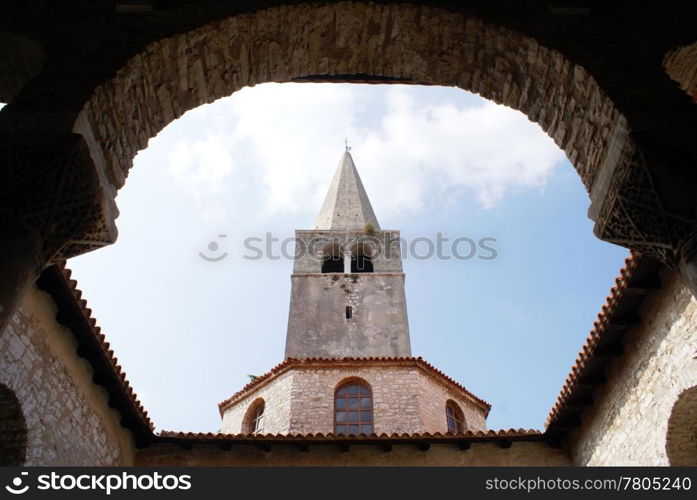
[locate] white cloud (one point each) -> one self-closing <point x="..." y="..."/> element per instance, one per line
<point x="285" y="139"/>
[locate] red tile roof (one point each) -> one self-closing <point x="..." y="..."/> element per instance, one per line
<point x="291" y="363"/>
<point x="203" y="437"/>
<point x="620" y="311"/>
<point x="75" y="315"/>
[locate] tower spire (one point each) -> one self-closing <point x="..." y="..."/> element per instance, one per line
<point x="346" y="206"/>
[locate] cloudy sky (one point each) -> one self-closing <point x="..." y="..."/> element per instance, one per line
<point x="433" y="160"/>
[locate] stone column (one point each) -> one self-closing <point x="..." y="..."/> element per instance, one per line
<point x="54" y="204"/>
<point x="649" y="201"/>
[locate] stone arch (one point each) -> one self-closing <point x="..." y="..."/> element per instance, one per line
<point x="350" y="41"/>
<point x="353" y="379"/>
<point x="13" y="429"/>
<point x="681" y="437"/>
<point x="249" y="421"/>
<point x="681" y="66"/>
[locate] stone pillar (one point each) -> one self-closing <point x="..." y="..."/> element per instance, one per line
<point x="54" y="204"/>
<point x="649" y="201"/>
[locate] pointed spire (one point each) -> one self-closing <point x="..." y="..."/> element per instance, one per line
<point x="346" y="207"/>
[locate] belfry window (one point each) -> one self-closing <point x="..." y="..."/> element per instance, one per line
<point x="361" y="264"/>
<point x="454" y="418"/>
<point x="332" y="259"/>
<point x="362" y="258"/>
<point x="333" y="264"/>
<point x="353" y="409"/>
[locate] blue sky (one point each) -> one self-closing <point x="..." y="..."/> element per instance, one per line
<point x="188" y="332"/>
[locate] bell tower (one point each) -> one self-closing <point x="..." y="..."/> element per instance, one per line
<point x="347" y="287"/>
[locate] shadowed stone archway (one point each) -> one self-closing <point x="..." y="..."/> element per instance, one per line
<point x="641" y="182"/>
<point x="681" y="439"/>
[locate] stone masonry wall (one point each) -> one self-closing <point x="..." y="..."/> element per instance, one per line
<point x="406" y="399"/>
<point x="68" y="419"/>
<point x="628" y="423"/>
<point x="414" y="44"/>
<point x="432" y="400"/>
<point x="276" y="396"/>
<point x="317" y="322"/>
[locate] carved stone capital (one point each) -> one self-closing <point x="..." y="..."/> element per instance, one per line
<point x="50" y="186"/>
<point x="650" y="205"/>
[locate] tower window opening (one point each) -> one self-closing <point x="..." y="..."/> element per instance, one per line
<point x="349" y="312"/>
<point x="361" y="264"/>
<point x="332" y="259"/>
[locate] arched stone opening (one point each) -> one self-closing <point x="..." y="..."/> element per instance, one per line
<point x="332" y="259"/>
<point x="681" y="66"/>
<point x="362" y="258"/>
<point x="454" y="417"/>
<point x="253" y="421"/>
<point x="681" y="437"/>
<point x="13" y="429"/>
<point x="351" y="42"/>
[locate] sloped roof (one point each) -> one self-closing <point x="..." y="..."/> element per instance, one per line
<point x="346" y="207"/>
<point x="74" y="314"/>
<point x="636" y="279"/>
<point x="292" y="363"/>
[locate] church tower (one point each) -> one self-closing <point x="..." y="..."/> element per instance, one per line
<point x="348" y="369"/>
<point x="347" y="292"/>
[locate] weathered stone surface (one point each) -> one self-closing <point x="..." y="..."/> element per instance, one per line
<point x="628" y="424"/>
<point x="318" y="326"/>
<point x="406" y="399"/>
<point x="68" y="419"/>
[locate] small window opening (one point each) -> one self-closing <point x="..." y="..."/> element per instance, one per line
<point x="361" y="264"/>
<point x="349" y="312"/>
<point x="333" y="261"/>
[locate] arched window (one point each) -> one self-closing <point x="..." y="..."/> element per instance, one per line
<point x="454" y="417"/>
<point x="253" y="422"/>
<point x="353" y="409"/>
<point x="362" y="258"/>
<point x="332" y="259"/>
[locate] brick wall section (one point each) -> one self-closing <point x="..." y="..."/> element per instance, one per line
<point x="628" y="423"/>
<point x="406" y="399"/>
<point x="480" y="454"/>
<point x="68" y="419"/>
<point x="411" y="43"/>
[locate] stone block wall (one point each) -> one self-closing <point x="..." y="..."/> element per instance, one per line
<point x="68" y="419"/>
<point x="406" y="399"/>
<point x="628" y="423"/>
<point x="277" y="401"/>
<point x="317" y="322"/>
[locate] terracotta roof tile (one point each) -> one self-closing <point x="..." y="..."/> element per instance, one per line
<point x="330" y="437"/>
<point x="599" y="333"/>
<point x="311" y="362"/>
<point x="56" y="280"/>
